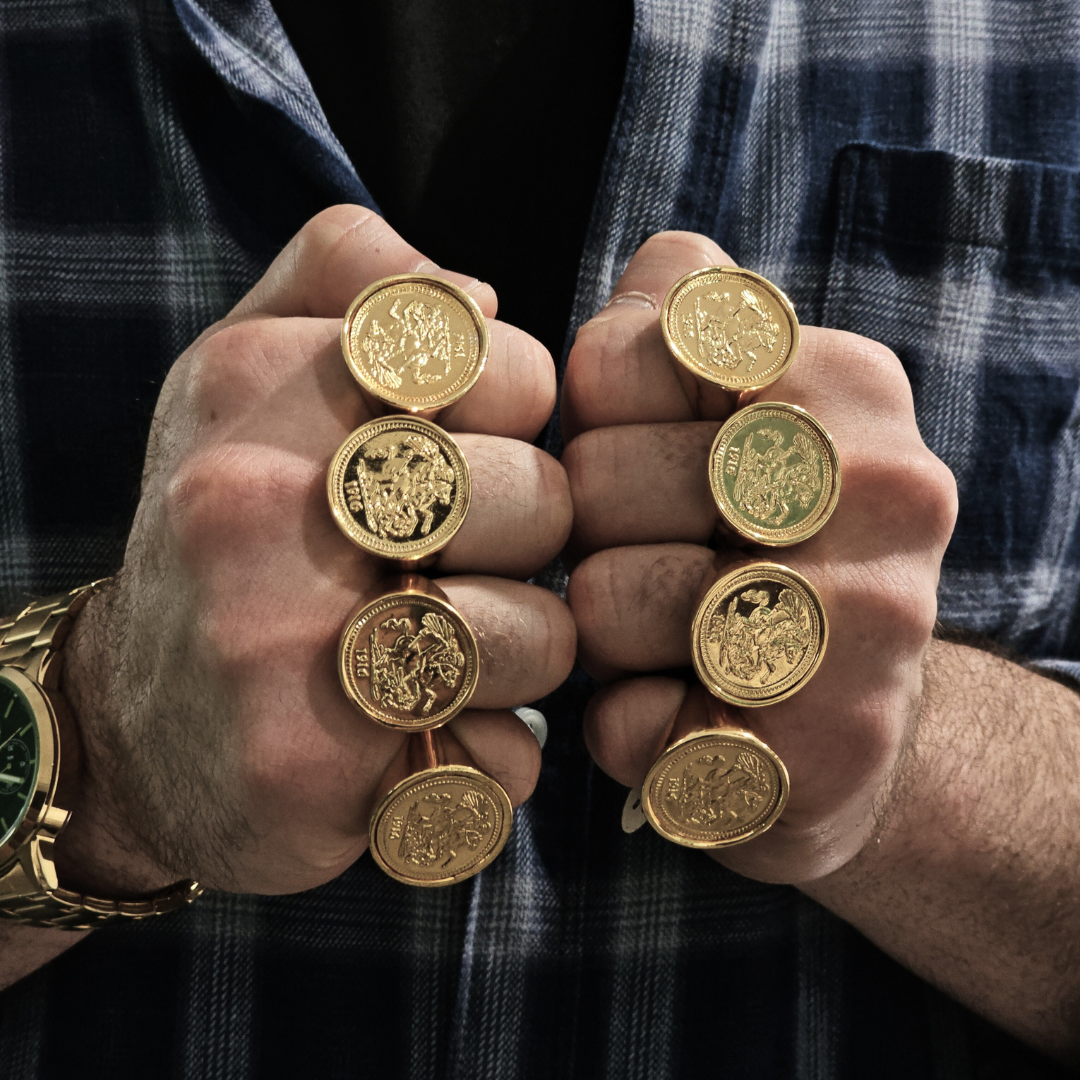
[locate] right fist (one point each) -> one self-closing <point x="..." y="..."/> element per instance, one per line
<point x="217" y="741"/>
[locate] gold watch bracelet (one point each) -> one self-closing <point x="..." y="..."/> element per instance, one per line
<point x="30" y="893"/>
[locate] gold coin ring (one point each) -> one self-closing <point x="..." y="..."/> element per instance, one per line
<point x="408" y="660"/>
<point x="415" y="341"/>
<point x="399" y="487"/>
<point x="715" y="789"/>
<point x="731" y="327"/>
<point x="774" y="474"/>
<point x="440" y="826"/>
<point x="759" y="635"/>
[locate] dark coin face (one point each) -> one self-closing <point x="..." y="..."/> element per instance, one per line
<point x="759" y="635"/>
<point x="714" y="789"/>
<point x="408" y="660"/>
<point x="399" y="487"/>
<point x="440" y="826"/>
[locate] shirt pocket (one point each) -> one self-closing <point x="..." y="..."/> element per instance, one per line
<point x="969" y="269"/>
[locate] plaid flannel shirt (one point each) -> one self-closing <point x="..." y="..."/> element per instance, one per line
<point x="906" y="170"/>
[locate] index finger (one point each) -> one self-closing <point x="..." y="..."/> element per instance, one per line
<point x="620" y="370"/>
<point x="333" y="258"/>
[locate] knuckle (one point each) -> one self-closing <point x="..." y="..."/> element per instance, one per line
<point x="224" y="488"/>
<point x="224" y="370"/>
<point x="914" y="491"/>
<point x="877" y="370"/>
<point x="898" y="604"/>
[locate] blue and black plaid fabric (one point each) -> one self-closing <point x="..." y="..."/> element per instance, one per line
<point x="906" y="169"/>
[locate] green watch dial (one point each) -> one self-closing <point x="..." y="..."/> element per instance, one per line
<point x="20" y="751"/>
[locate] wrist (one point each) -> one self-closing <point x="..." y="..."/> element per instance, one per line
<point x="98" y="852"/>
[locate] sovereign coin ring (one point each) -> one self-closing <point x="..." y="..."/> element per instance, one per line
<point x="714" y="784"/>
<point x="444" y="821"/>
<point x="399" y="488"/>
<point x="415" y="341"/>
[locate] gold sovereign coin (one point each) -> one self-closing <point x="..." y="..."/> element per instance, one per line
<point x="440" y="826"/>
<point x="774" y="473"/>
<point x="759" y="635"/>
<point x="714" y="789"/>
<point x="415" y="341"/>
<point x="408" y="660"/>
<point x="399" y="487"/>
<point x="730" y="326"/>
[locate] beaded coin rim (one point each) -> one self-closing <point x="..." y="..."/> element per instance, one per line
<point x="731" y="582"/>
<point x="687" y="282"/>
<point x="717" y="735"/>
<point x="794" y="534"/>
<point x="432" y="401"/>
<point x="430" y="777"/>
<point x="408" y="550"/>
<point x="369" y="708"/>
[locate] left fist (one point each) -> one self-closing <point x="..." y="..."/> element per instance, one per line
<point x="641" y="427"/>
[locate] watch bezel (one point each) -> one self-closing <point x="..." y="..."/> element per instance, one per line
<point x="48" y="762"/>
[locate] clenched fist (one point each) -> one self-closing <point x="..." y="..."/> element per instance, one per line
<point x="645" y="523"/>
<point x="218" y="741"/>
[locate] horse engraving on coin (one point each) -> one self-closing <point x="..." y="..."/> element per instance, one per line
<point x="771" y="482"/>
<point x="729" y="331"/>
<point x="710" y="793"/>
<point x="764" y="646"/>
<point x="405" y="663"/>
<point x="418" y="339"/>
<point x="399" y="485"/>
<point x="439" y="827"/>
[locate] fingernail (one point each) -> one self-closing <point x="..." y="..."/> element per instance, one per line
<point x="535" y="721"/>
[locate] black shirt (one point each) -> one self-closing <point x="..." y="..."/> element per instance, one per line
<point x="479" y="126"/>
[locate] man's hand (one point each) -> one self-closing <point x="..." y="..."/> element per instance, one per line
<point x="218" y="743"/>
<point x="643" y="515"/>
<point x="934" y="788"/>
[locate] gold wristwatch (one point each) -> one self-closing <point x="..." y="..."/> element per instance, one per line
<point x="32" y="713"/>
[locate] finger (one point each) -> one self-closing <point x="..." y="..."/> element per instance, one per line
<point x="619" y="370"/>
<point x="641" y="484"/>
<point x="525" y="635"/>
<point x="287" y="373"/>
<point x="520" y="514"/>
<point x="515" y="393"/>
<point x="633" y="606"/>
<point x="333" y="258"/>
<point x="503" y="747"/>
<point x="625" y="724"/>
